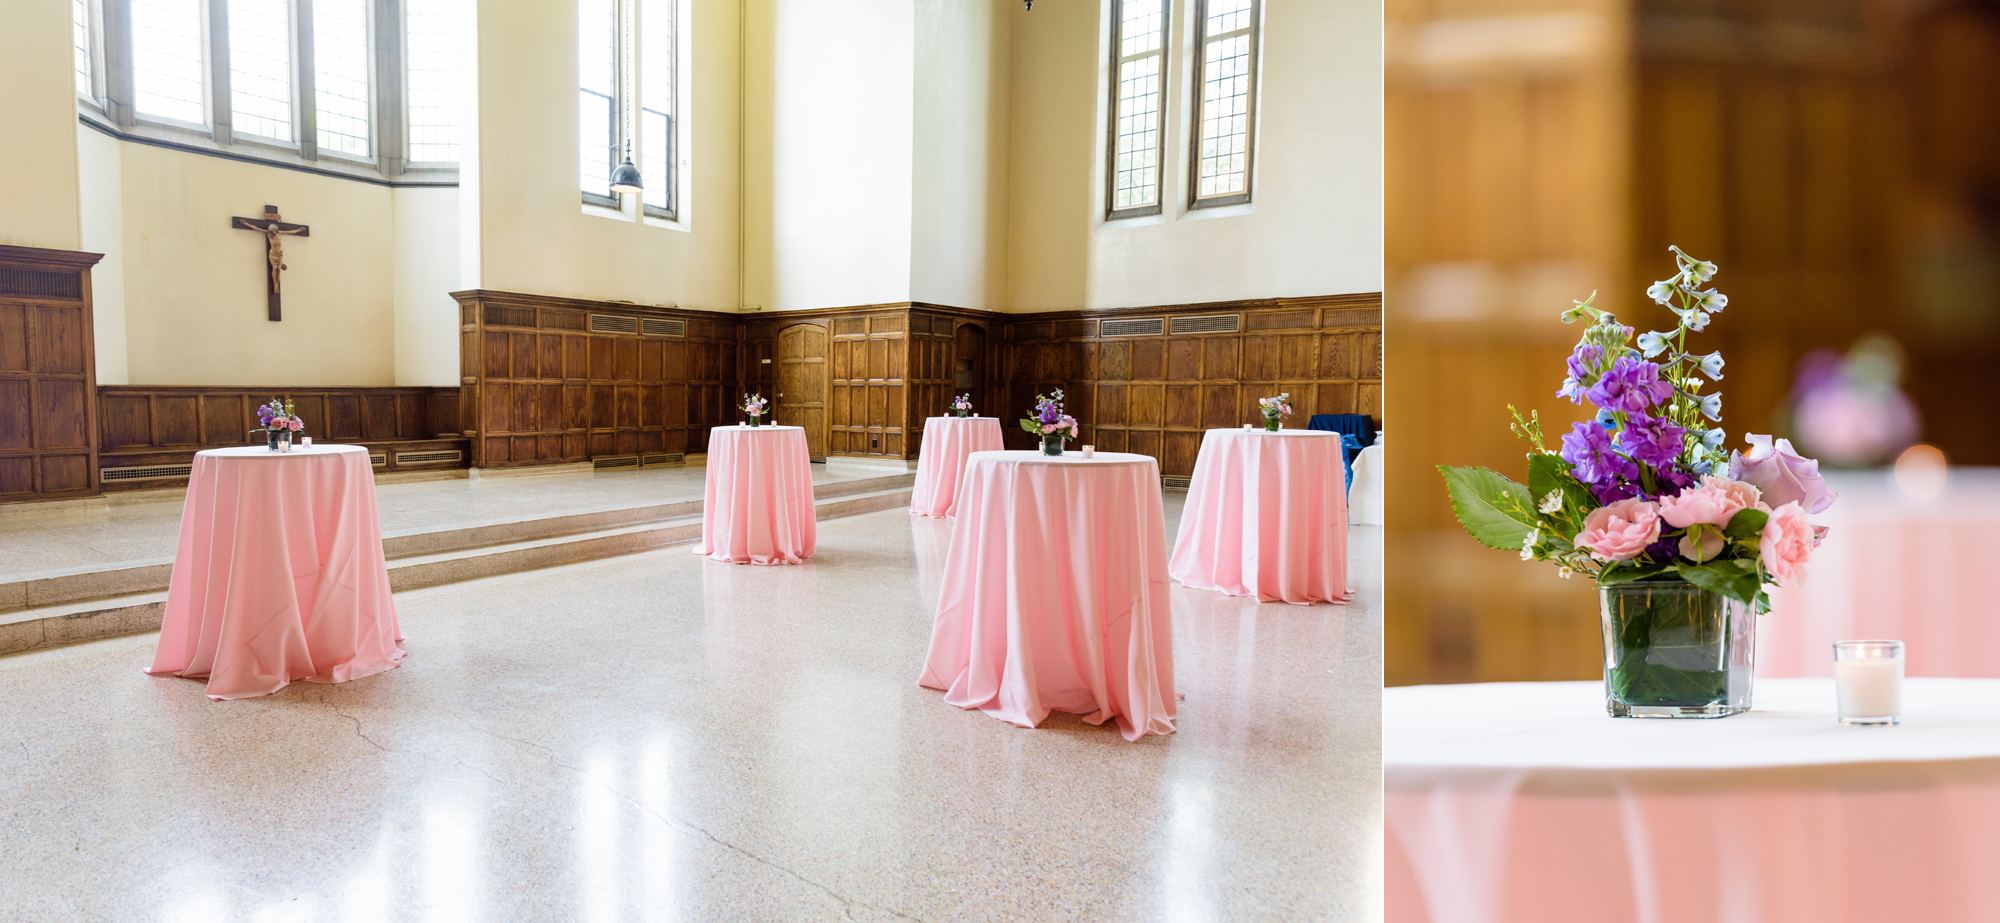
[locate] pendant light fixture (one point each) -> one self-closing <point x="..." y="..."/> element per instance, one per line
<point x="626" y="178"/>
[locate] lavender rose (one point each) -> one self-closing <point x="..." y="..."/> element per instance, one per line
<point x="1781" y="475"/>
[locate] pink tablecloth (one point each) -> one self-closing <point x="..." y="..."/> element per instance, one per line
<point x="758" y="508"/>
<point x="279" y="574"/>
<point x="1055" y="593"/>
<point x="1523" y="803"/>
<point x="947" y="441"/>
<point x="1896" y="567"/>
<point x="1266" y="516"/>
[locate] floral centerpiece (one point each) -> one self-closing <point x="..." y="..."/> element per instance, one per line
<point x="1275" y="409"/>
<point x="961" y="406"/>
<point x="1681" y="535"/>
<point x="754" y="404"/>
<point x="1051" y="423"/>
<point x="281" y="422"/>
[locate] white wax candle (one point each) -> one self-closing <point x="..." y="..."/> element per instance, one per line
<point x="1089" y="450"/>
<point x="1869" y="688"/>
<point x="308" y="441"/>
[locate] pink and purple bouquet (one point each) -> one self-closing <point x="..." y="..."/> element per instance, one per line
<point x="280" y="416"/>
<point x="754" y="404"/>
<point x="1049" y="418"/>
<point x="1645" y="490"/>
<point x="962" y="404"/>
<point x="1275" y="407"/>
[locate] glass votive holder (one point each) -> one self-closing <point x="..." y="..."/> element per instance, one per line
<point x="1089" y="450"/>
<point x="306" y="441"/>
<point x="1868" y="680"/>
<point x="1248" y="426"/>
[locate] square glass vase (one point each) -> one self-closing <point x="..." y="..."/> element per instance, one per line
<point x="1675" y="650"/>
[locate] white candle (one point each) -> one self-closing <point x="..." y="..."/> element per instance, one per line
<point x="1869" y="688"/>
<point x="1089" y="450"/>
<point x="308" y="441"/>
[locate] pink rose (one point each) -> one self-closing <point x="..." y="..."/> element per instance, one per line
<point x="1782" y="475"/>
<point x="1048" y="428"/>
<point x="1787" y="544"/>
<point x="1713" y="503"/>
<point x="1620" y="531"/>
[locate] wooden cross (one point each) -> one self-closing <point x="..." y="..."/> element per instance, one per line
<point x="273" y="230"/>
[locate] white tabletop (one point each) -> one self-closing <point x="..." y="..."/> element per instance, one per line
<point x="1068" y="457"/>
<point x="1562" y="726"/>
<point x="745" y="427"/>
<point x="298" y="451"/>
<point x="1260" y="431"/>
<point x="967" y="419"/>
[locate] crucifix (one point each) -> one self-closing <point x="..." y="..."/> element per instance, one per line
<point x="274" y="230"/>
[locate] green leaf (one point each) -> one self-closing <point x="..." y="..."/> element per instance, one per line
<point x="1746" y="524"/>
<point x="1626" y="573"/>
<point x="1031" y="426"/>
<point x="1498" y="512"/>
<point x="1549" y="472"/>
<point x="1725" y="577"/>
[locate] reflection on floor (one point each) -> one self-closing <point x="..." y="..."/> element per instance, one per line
<point x="659" y="737"/>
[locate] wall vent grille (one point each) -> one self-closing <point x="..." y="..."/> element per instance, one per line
<point x="1174" y="482"/>
<point x="37" y="282"/>
<point x="441" y="456"/>
<point x="378" y="459"/>
<point x="613" y="323"/>
<point x="662" y="327"/>
<point x="1133" y="327"/>
<point x="1208" y="323"/>
<point x="146" y="473"/>
<point x="664" y="458"/>
<point x="615" y="461"/>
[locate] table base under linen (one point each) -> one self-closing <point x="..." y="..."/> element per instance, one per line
<point x="1054" y="594"/>
<point x="279" y="574"/>
<point x="941" y="460"/>
<point x="1266" y="516"/>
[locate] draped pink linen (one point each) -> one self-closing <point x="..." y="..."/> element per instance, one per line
<point x="1266" y="516"/>
<point x="758" y="504"/>
<point x="1523" y="803"/>
<point x="1055" y="593"/>
<point x="1893" y="566"/>
<point x="941" y="461"/>
<point x="279" y="575"/>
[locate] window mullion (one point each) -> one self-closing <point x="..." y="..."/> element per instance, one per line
<point x="305" y="70"/>
<point x="387" y="41"/>
<point x="220" y="108"/>
<point x="115" y="18"/>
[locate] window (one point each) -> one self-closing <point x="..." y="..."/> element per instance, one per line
<point x="79" y="20"/>
<point x="597" y="30"/>
<point x="1225" y="101"/>
<point x="340" y="75"/>
<point x="260" y="68"/>
<point x="656" y="105"/>
<point x="1138" y="60"/>
<point x="167" y="77"/>
<point x="431" y="83"/>
<point x="307" y="83"/>
<point x="625" y="99"/>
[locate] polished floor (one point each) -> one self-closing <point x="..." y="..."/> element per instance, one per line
<point x="659" y="737"/>
<point x="135" y="529"/>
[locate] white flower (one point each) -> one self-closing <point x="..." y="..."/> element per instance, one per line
<point x="1714" y="301"/>
<point x="1565" y="573"/>
<point x="1652" y="344"/>
<point x="1552" y="502"/>
<point x="1711" y="406"/>
<point x="1711" y="365"/>
<point x="1662" y="291"/>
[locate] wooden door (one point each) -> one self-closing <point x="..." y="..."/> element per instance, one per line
<point x="801" y="397"/>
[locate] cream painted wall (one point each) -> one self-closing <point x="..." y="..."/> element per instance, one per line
<point x="958" y="219"/>
<point x="1314" y="226"/>
<point x="38" y="194"/>
<point x="426" y="273"/>
<point x="101" y="208"/>
<point x="532" y="233"/>
<point x="830" y="109"/>
<point x="194" y="286"/>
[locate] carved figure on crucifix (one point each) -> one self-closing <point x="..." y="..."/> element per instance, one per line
<point x="274" y="228"/>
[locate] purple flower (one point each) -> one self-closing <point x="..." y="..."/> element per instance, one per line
<point x="1632" y="386"/>
<point x="1583" y="365"/>
<point x="1596" y="461"/>
<point x="1655" y="441"/>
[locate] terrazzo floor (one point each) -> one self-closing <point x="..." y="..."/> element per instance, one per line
<point x="660" y="737"/>
<point x="127" y="532"/>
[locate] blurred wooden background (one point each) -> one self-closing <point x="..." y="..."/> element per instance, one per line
<point x="1839" y="159"/>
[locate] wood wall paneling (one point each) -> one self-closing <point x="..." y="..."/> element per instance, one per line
<point x="48" y="411"/>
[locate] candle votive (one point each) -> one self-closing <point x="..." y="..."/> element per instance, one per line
<point x="1089" y="450"/>
<point x="1868" y="680"/>
<point x="306" y="441"/>
<point x="1247" y="426"/>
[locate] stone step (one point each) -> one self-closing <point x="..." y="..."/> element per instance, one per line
<point x="83" y="583"/>
<point x="475" y="553"/>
